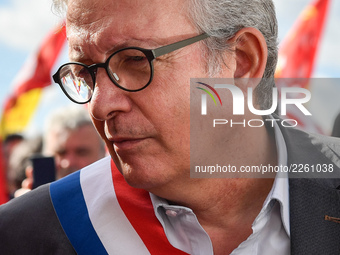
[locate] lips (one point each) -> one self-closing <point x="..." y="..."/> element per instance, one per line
<point x="126" y="143"/>
<point x="125" y="137"/>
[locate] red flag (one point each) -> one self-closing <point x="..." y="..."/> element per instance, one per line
<point x="35" y="76"/>
<point x="297" y="56"/>
<point x="297" y="52"/>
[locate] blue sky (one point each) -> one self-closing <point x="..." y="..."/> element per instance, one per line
<point x="23" y="24"/>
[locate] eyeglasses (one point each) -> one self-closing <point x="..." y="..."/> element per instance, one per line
<point x="130" y="69"/>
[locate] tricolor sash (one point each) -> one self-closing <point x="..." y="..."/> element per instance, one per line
<point x="101" y="214"/>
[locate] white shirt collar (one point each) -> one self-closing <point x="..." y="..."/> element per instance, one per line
<point x="279" y="191"/>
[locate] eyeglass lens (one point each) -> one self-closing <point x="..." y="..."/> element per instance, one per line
<point x="128" y="68"/>
<point x="77" y="82"/>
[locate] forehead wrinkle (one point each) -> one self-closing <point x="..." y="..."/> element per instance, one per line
<point x="80" y="37"/>
<point x="84" y="21"/>
<point x="85" y="32"/>
<point x="75" y="48"/>
<point x="96" y="32"/>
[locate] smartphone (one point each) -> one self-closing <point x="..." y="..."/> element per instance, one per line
<point x="44" y="170"/>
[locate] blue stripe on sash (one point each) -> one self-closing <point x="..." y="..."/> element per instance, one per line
<point x="69" y="204"/>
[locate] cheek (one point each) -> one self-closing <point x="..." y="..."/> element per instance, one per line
<point x="172" y="112"/>
<point x="99" y="125"/>
<point x="169" y="97"/>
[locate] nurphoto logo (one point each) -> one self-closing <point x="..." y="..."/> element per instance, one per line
<point x="280" y="101"/>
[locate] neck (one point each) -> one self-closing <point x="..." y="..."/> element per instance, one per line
<point x="253" y="147"/>
<point x="227" y="207"/>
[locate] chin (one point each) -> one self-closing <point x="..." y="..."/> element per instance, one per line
<point x="142" y="178"/>
<point x="147" y="172"/>
<point x="151" y="178"/>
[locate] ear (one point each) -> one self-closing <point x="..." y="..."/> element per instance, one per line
<point x="250" y="53"/>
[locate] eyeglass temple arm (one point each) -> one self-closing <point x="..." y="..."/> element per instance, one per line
<point x="177" y="45"/>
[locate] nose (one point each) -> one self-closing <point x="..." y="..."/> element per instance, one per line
<point x="65" y="163"/>
<point x="107" y="98"/>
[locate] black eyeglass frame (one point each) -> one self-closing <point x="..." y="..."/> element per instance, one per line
<point x="150" y="54"/>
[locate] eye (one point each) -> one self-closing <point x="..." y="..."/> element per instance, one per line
<point x="134" y="59"/>
<point x="137" y="58"/>
<point x="129" y="57"/>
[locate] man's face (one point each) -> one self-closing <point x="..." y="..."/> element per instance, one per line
<point x="147" y="132"/>
<point x="73" y="149"/>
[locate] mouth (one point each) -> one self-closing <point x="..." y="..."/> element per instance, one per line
<point x="123" y="144"/>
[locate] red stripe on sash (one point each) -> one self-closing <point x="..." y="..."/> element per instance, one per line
<point x="137" y="206"/>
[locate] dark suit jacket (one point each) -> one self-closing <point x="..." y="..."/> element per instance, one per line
<point x="29" y="225"/>
<point x="314" y="201"/>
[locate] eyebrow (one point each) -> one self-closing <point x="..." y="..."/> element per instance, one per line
<point x="145" y="43"/>
<point x="152" y="43"/>
<point x="77" y="54"/>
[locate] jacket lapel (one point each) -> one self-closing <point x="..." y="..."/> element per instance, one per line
<point x="314" y="202"/>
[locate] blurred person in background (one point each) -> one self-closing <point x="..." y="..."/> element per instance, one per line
<point x="20" y="165"/>
<point x="9" y="144"/>
<point x="72" y="140"/>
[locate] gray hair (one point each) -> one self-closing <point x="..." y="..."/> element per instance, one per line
<point x="59" y="6"/>
<point x="69" y="118"/>
<point x="221" y="20"/>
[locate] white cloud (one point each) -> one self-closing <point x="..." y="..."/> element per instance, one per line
<point x="25" y="23"/>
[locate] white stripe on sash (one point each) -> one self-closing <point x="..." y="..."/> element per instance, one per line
<point x="112" y="227"/>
